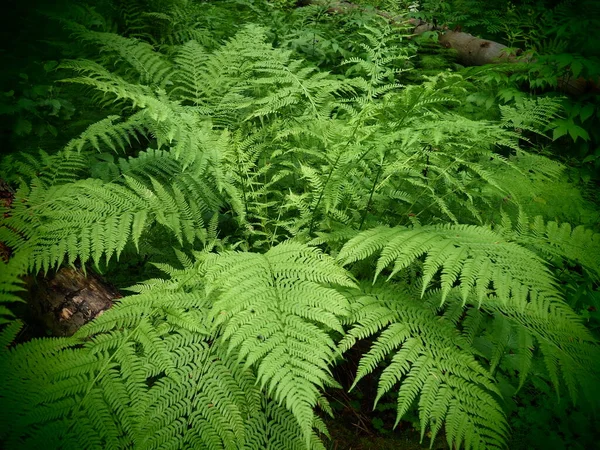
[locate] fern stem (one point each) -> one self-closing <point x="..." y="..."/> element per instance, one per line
<point x="364" y="215"/>
<point x="314" y="212"/>
<point x="244" y="195"/>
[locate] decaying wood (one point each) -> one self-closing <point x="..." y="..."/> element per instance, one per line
<point x="7" y="195"/>
<point x="474" y="51"/>
<point x="71" y="298"/>
<point x="471" y="50"/>
<point x="67" y="300"/>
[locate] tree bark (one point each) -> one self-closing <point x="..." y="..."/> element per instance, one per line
<point x="66" y="301"/>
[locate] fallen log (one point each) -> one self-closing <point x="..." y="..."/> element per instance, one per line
<point x="65" y="301"/>
<point x="471" y="50"/>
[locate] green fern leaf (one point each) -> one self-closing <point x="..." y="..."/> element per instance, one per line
<point x="481" y="261"/>
<point x="274" y="309"/>
<point x="430" y="360"/>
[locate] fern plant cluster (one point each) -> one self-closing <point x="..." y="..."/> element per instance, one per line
<point x="286" y="212"/>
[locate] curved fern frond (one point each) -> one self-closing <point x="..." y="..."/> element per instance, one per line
<point x="190" y="76"/>
<point x="118" y="377"/>
<point x="11" y="284"/>
<point x="45" y="170"/>
<point x="276" y="310"/>
<point x="151" y="67"/>
<point x="477" y="259"/>
<point x="90" y="218"/>
<point x="531" y="114"/>
<point x="132" y="16"/>
<point x="510" y="336"/>
<point x="106" y="132"/>
<point x="147" y="374"/>
<point x="558" y="240"/>
<point x="570" y="353"/>
<point x="101" y="79"/>
<point x="434" y="365"/>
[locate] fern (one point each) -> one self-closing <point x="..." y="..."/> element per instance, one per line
<point x="467" y="264"/>
<point x="11" y="285"/>
<point x="476" y="258"/>
<point x="90" y="219"/>
<point x="123" y="374"/>
<point x="191" y="76"/>
<point x="275" y="311"/>
<point x="431" y="361"/>
<point x="222" y="153"/>
<point x="132" y="370"/>
<point x="45" y="170"/>
<point x="151" y="67"/>
<point x="579" y="245"/>
<point x="106" y="133"/>
<point x="533" y="115"/>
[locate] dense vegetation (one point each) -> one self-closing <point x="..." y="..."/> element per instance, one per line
<point x="289" y="194"/>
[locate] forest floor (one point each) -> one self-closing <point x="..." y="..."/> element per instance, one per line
<point x="347" y="436"/>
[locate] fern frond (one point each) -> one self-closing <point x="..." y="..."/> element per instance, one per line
<point x="89" y="219"/>
<point x="109" y="392"/>
<point x="151" y="67"/>
<point x="190" y="76"/>
<point x="11" y="283"/>
<point x="477" y="258"/>
<point x="147" y="374"/>
<point x="107" y="132"/>
<point x="43" y="169"/>
<point x="430" y="361"/>
<point x="570" y="352"/>
<point x="275" y="310"/>
<point x="132" y="14"/>
<point x="557" y="240"/>
<point x="101" y="79"/>
<point x="531" y="114"/>
<point x="509" y="336"/>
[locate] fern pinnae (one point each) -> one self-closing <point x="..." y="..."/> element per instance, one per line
<point x="233" y="349"/>
<point x="373" y="187"/>
<point x="484" y="260"/>
<point x="190" y="74"/>
<point x="408" y="338"/>
<point x="364" y="244"/>
<point x="150" y="65"/>
<point x="267" y="306"/>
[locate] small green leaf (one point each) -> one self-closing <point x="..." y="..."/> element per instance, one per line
<point x="576" y="131"/>
<point x="50" y="65"/>
<point x="559" y="131"/>
<point x="586" y="111"/>
<point x="23" y="127"/>
<point x="576" y="68"/>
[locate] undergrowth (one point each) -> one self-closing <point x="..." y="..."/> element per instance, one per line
<point x="291" y="186"/>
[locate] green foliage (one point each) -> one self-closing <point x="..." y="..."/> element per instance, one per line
<point x="150" y="370"/>
<point x="431" y="361"/>
<point x="274" y="175"/>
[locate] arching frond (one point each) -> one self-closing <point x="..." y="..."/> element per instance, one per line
<point x="434" y="366"/>
<point x="276" y="311"/>
<point x="480" y="261"/>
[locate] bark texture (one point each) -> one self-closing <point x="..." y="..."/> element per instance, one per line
<point x="7" y="195"/>
<point x="68" y="300"/>
<point x="474" y="51"/>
